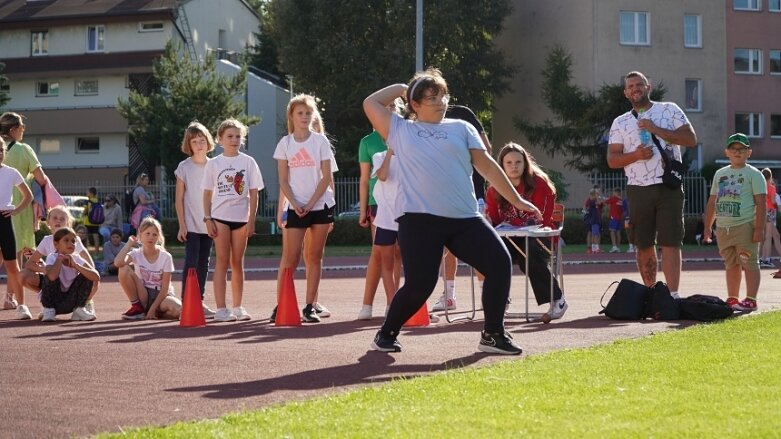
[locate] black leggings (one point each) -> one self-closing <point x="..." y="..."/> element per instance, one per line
<point x="422" y="238"/>
<point x="539" y="274"/>
<point x="7" y="239"/>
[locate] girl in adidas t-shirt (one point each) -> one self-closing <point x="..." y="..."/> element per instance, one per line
<point x="304" y="167"/>
<point x="231" y="182"/>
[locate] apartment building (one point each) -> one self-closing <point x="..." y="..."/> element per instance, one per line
<point x="681" y="44"/>
<point x="69" y="61"/>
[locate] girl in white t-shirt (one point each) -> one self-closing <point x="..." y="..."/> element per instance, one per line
<point x="10" y="178"/>
<point x="197" y="143"/>
<point x="69" y="279"/>
<point x="386" y="236"/>
<point x="231" y="183"/>
<point x="304" y="168"/>
<point x="148" y="283"/>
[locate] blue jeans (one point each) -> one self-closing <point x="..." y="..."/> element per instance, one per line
<point x="197" y="250"/>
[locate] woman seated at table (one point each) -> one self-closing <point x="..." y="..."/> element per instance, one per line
<point x="534" y="185"/>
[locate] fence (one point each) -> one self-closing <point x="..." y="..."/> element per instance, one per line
<point x="346" y="192"/>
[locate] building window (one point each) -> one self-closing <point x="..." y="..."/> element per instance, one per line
<point x="775" y="62"/>
<point x="96" y="36"/>
<point x="748" y="61"/>
<point x="150" y="26"/>
<point x="774" y="5"/>
<point x="775" y="125"/>
<point x="634" y="28"/>
<point x="85" y="87"/>
<point x="694" y="94"/>
<point x="692" y="33"/>
<point x="87" y="144"/>
<point x="49" y="146"/>
<point x="47" y="88"/>
<point x="40" y="43"/>
<point x="745" y="5"/>
<point x="749" y="123"/>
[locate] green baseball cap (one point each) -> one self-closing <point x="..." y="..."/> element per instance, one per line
<point x="738" y="138"/>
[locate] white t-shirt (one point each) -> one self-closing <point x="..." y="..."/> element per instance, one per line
<point x="386" y="193"/>
<point x="46" y="247"/>
<point x="435" y="166"/>
<point x="151" y="273"/>
<point x="191" y="174"/>
<point x="624" y="130"/>
<point x="67" y="274"/>
<point x="304" y="160"/>
<point x="9" y="179"/>
<point x="334" y="170"/>
<point x="230" y="179"/>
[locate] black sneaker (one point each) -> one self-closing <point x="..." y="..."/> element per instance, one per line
<point x="498" y="344"/>
<point x="310" y="315"/>
<point x="385" y="343"/>
<point x="273" y="317"/>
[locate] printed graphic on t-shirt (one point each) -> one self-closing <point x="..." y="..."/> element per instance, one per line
<point x="230" y="180"/>
<point x="301" y="159"/>
<point x="728" y="197"/>
<point x="151" y="277"/>
<point x="437" y="134"/>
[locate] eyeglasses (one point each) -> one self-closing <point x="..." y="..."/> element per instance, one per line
<point x="435" y="99"/>
<point x="737" y="150"/>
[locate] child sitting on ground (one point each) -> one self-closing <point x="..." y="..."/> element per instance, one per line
<point x="69" y="280"/>
<point x="111" y="249"/>
<point x="151" y="274"/>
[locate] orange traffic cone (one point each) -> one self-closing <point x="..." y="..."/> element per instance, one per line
<point x="192" y="307"/>
<point x="420" y="318"/>
<point x="287" y="304"/>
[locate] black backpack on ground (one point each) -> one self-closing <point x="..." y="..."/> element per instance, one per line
<point x="661" y="305"/>
<point x="704" y="308"/>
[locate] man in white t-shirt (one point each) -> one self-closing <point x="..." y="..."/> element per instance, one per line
<point x="657" y="210"/>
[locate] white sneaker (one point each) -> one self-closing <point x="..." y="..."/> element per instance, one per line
<point x="9" y="302"/>
<point x="90" y="307"/>
<point x="365" y="313"/>
<point x="321" y="310"/>
<point x="207" y="312"/>
<point x="81" y="314"/>
<point x="48" y="315"/>
<point x="440" y="305"/>
<point x="433" y="318"/>
<point x="615" y="249"/>
<point x="559" y="308"/>
<point x="224" y="315"/>
<point x="23" y="312"/>
<point x="631" y="249"/>
<point x="241" y="314"/>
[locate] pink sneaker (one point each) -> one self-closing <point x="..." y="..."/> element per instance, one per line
<point x="746" y="305"/>
<point x="732" y="302"/>
<point x="9" y="302"/>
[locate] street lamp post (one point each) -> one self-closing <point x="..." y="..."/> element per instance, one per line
<point x="419" y="35"/>
<point x="290" y="84"/>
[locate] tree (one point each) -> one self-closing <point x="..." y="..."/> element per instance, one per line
<point x="186" y="91"/>
<point x="341" y="51"/>
<point x="4" y="98"/>
<point x="583" y="119"/>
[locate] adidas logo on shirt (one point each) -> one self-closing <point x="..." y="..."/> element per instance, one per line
<point x="301" y="159"/>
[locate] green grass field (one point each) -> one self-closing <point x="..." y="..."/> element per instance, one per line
<point x="707" y="381"/>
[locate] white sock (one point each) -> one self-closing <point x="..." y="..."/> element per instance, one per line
<point x="675" y="295"/>
<point x="450" y="289"/>
<point x="480" y="287"/>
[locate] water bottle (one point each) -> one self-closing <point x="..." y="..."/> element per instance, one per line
<point x="481" y="206"/>
<point x="645" y="136"/>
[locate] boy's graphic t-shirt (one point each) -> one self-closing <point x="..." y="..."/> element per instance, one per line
<point x="304" y="161"/>
<point x="616" y="207"/>
<point x="734" y="189"/>
<point x="230" y="179"/>
<point x="67" y="274"/>
<point x="151" y="273"/>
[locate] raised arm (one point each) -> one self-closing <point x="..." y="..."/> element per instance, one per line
<point x="375" y="107"/>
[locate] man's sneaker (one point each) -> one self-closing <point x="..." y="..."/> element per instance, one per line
<point x="136" y="312"/>
<point x="310" y="315"/>
<point x="224" y="315"/>
<point x="615" y="249"/>
<point x="273" y="317"/>
<point x="385" y="343"/>
<point x="23" y="312"/>
<point x="365" y="313"/>
<point x="241" y="314"/>
<point x="498" y="344"/>
<point x="732" y="302"/>
<point x="442" y="301"/>
<point x="322" y="311"/>
<point x="207" y="312"/>
<point x="81" y="314"/>
<point x="746" y="305"/>
<point x="48" y="315"/>
<point x="9" y="302"/>
<point x="559" y="308"/>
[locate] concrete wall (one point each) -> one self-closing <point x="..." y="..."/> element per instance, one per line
<point x="208" y="17"/>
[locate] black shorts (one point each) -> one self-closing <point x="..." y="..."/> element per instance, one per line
<point x="7" y="239"/>
<point x="233" y="225"/>
<point x="385" y="237"/>
<point x="325" y="216"/>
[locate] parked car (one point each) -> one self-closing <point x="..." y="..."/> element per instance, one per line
<point x="76" y="204"/>
<point x="353" y="212"/>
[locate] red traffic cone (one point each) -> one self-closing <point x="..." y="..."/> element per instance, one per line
<point x="192" y="307"/>
<point x="287" y="304"/>
<point x="420" y="318"/>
